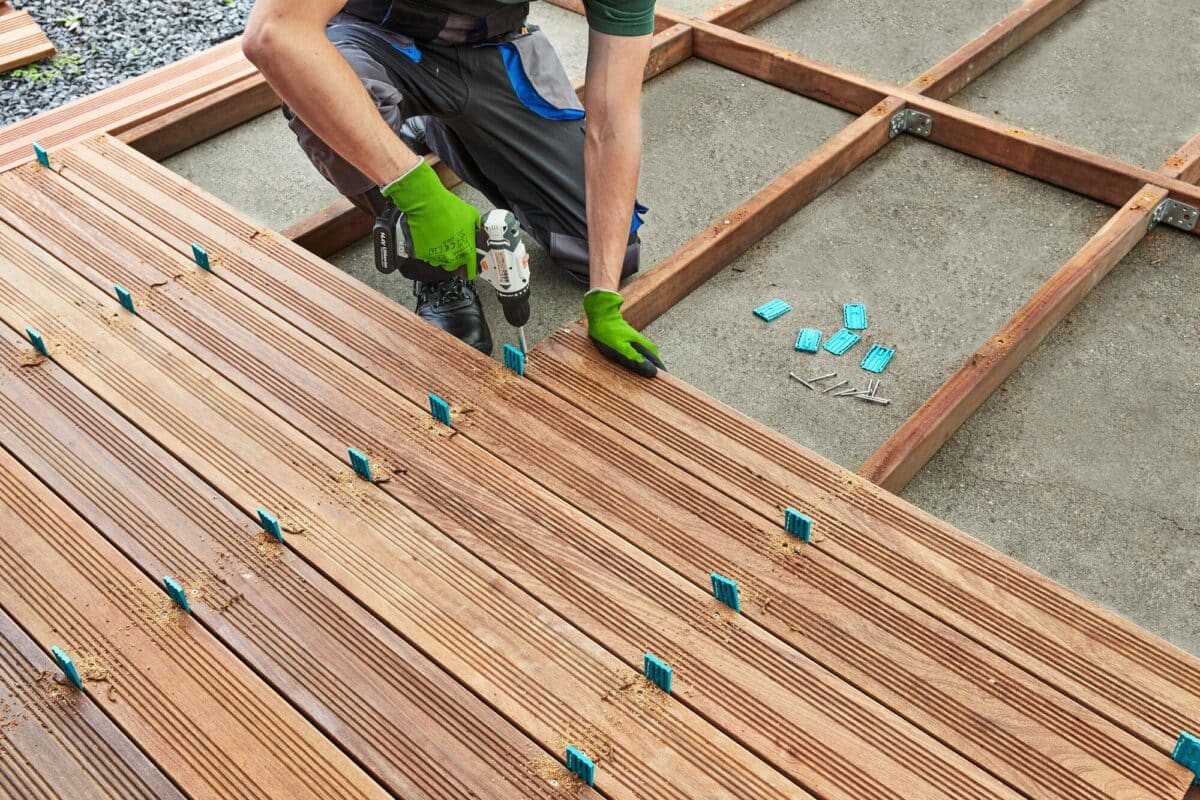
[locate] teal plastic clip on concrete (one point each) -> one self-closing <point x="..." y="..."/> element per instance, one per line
<point x="38" y="343"/>
<point x="270" y="524"/>
<point x="581" y="765"/>
<point x="43" y="157"/>
<point x="514" y="359"/>
<point x="67" y="666"/>
<point x="842" y="341"/>
<point x="361" y="465"/>
<point x="809" y="340"/>
<point x="657" y="671"/>
<point x="854" y="316"/>
<point x="726" y="591"/>
<point x="877" y="358"/>
<point x="177" y="593"/>
<point x="201" y="257"/>
<point x="771" y="311"/>
<point x="440" y="409"/>
<point x="798" y="525"/>
<point x="125" y="298"/>
<point x="1187" y="753"/>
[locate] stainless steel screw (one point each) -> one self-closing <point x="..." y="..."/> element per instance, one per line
<point x="834" y="386"/>
<point x="872" y="399"/>
<point x="847" y="393"/>
<point x="803" y="382"/>
<point x="822" y="377"/>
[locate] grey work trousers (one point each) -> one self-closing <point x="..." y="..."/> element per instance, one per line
<point x="502" y="115"/>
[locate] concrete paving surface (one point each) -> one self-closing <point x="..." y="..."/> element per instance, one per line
<point x="1084" y="464"/>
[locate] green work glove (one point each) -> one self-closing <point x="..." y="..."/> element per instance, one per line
<point x="616" y="338"/>
<point x="442" y="226"/>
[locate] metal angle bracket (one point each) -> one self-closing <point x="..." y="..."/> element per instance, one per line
<point x="911" y="121"/>
<point x="1176" y="214"/>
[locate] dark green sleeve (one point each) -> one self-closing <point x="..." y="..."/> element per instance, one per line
<point x="621" y="17"/>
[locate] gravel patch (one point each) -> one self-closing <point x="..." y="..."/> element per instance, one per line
<point x="101" y="43"/>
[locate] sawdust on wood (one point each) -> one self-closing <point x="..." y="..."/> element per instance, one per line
<point x="30" y="358"/>
<point x="555" y="774"/>
<point x="91" y="669"/>
<point x="269" y="547"/>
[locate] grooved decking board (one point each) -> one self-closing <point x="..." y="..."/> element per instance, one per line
<point x="420" y="733"/>
<point x="686" y="518"/>
<point x="128" y="104"/>
<point x="529" y="663"/>
<point x="21" y="40"/>
<point x="1124" y="673"/>
<point x="55" y="742"/>
<point x="209" y="723"/>
<point x="732" y="672"/>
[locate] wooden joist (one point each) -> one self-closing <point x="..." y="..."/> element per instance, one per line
<point x="625" y="599"/>
<point x="54" y="741"/>
<point x="202" y="715"/>
<point x="22" y="40"/>
<point x="412" y="726"/>
<point x="691" y="524"/>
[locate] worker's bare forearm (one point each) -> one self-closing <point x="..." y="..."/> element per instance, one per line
<point x="613" y="150"/>
<point x="286" y="40"/>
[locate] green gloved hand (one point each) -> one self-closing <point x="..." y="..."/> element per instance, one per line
<point x="616" y="338"/>
<point x="442" y="226"/>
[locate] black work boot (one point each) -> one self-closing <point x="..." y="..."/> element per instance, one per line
<point x="453" y="306"/>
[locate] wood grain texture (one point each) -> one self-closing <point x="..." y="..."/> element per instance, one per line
<point x="208" y="722"/>
<point x="995" y="44"/>
<point x="707" y="253"/>
<point x="1074" y="168"/>
<point x="907" y="450"/>
<point x="412" y="726"/>
<point x="1124" y="674"/>
<point x="576" y="455"/>
<point x="623" y="597"/>
<point x="531" y="664"/>
<point x="55" y="742"/>
<point x="128" y="104"/>
<point x="22" y="41"/>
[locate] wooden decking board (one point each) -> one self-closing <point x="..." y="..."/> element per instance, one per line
<point x="21" y="40"/>
<point x="625" y="599"/>
<point x="421" y="734"/>
<point x="55" y="742"/>
<point x="128" y="104"/>
<point x="249" y="254"/>
<point x="1119" y="670"/>
<point x="529" y="663"/>
<point x="203" y="716"/>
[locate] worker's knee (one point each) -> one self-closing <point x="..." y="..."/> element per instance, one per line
<point x="570" y="253"/>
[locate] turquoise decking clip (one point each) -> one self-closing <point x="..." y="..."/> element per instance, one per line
<point x="1187" y="753"/>
<point x="877" y="358"/>
<point x="440" y="410"/>
<point x="514" y="359"/>
<point x="771" y="311"/>
<point x="177" y="593"/>
<point x="38" y="343"/>
<point x="125" y="298"/>
<point x="43" y="157"/>
<point x="726" y="591"/>
<point x="201" y="257"/>
<point x="581" y="765"/>
<point x="809" y="340"/>
<point x="798" y="525"/>
<point x="270" y="524"/>
<point x="854" y="316"/>
<point x="67" y="666"/>
<point x="842" y="341"/>
<point x="361" y="465"/>
<point x="657" y="671"/>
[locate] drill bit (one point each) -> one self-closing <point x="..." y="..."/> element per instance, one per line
<point x="521" y="340"/>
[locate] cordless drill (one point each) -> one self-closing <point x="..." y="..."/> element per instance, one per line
<point x="503" y="262"/>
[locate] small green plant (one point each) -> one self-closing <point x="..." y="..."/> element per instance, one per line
<point x="68" y="63"/>
<point x="71" y="21"/>
<point x="65" y="64"/>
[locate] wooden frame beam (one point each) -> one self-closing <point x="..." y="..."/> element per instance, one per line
<point x="708" y="252"/>
<point x="909" y="449"/>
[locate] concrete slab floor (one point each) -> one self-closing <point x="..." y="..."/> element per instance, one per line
<point x="941" y="249"/>
<point x="881" y="38"/>
<point x="1111" y="76"/>
<point x="1084" y="464"/>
